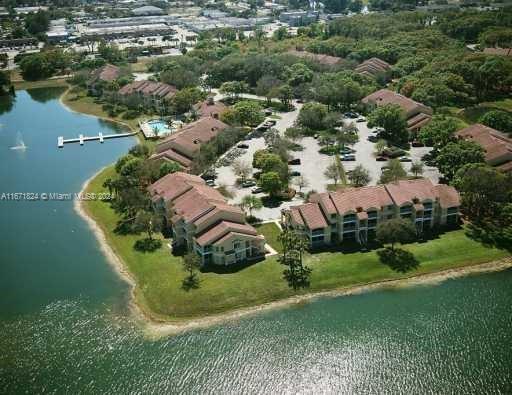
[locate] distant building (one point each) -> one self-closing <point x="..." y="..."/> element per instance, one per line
<point x="155" y="95"/>
<point x="183" y="146"/>
<point x="498" y="51"/>
<point x="203" y="222"/>
<point x="416" y="114"/>
<point x="354" y="213"/>
<point x="214" y="14"/>
<point x="299" y="18"/>
<point x="326" y="60"/>
<point x="374" y="67"/>
<point x="28" y="10"/>
<point x="147" y="10"/>
<point x="98" y="77"/>
<point x="497" y="146"/>
<point x="58" y="31"/>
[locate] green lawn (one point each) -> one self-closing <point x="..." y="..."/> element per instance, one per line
<point x="271" y="233"/>
<point x="159" y="274"/>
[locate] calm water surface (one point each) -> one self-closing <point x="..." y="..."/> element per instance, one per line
<point x="64" y="327"/>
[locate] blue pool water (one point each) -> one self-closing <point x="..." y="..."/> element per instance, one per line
<point x="160" y="126"/>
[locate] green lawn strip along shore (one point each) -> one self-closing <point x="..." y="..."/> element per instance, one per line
<point x="159" y="275"/>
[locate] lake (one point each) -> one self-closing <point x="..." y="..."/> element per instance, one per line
<point x="65" y="327"/>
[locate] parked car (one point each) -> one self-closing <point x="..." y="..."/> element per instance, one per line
<point x="349" y="157"/>
<point x="381" y="159"/>
<point x="417" y="143"/>
<point x="347" y="151"/>
<point x="248" y="183"/>
<point x="209" y="174"/>
<point x="295" y="173"/>
<point x="299" y="101"/>
<point x="405" y="159"/>
<point x="270" y="122"/>
<point x="361" y="119"/>
<point x="351" y="114"/>
<point x="243" y="146"/>
<point x="268" y="111"/>
<point x="295" y="161"/>
<point x="257" y="190"/>
<point x="315" y="136"/>
<point x="372" y="138"/>
<point x="210" y="183"/>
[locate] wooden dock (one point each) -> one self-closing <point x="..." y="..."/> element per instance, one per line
<point x="82" y="139"/>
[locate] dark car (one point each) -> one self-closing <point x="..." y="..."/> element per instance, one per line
<point x="405" y="159"/>
<point x="257" y="190"/>
<point x="361" y="119"/>
<point x="381" y="159"/>
<point x="295" y="161"/>
<point x="295" y="173"/>
<point x="243" y="146"/>
<point x="372" y="138"/>
<point x="351" y="114"/>
<point x="417" y="143"/>
<point x="248" y="183"/>
<point x="209" y="175"/>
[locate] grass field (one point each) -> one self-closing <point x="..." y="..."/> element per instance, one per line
<point x="55" y="83"/>
<point x="159" y="274"/>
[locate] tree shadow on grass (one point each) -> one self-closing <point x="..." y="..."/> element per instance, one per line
<point x="398" y="260"/>
<point x="271" y="201"/>
<point x="489" y="237"/>
<point x="147" y="245"/>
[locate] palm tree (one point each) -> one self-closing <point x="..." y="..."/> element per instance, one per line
<point x="417" y="169"/>
<point x="251" y="203"/>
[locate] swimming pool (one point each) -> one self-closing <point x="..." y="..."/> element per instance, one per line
<point x="156" y="128"/>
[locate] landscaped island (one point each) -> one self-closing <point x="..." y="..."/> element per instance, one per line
<point x="158" y="275"/>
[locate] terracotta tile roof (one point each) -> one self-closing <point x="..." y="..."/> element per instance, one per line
<point x="220" y="229"/>
<point x="322" y="59"/>
<point x="149" y="88"/>
<point x="219" y="207"/>
<point x="191" y="137"/>
<point x="496" y="145"/>
<point x="325" y="201"/>
<point x="296" y="217"/>
<point x="173" y="185"/>
<point x="211" y="110"/>
<point x="237" y="234"/>
<point x="170" y="154"/>
<point x="418" y="121"/>
<point x="311" y="215"/>
<point x="373" y="66"/>
<point x="448" y="196"/>
<point x="365" y="198"/>
<point x="385" y="96"/>
<point x="407" y="191"/>
<point x="107" y="73"/>
<point x="498" y="51"/>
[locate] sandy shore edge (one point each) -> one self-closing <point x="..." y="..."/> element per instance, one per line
<point x="155" y="328"/>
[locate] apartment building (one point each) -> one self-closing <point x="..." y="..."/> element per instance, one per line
<point x="374" y="67"/>
<point x="354" y="213"/>
<point x="99" y="77"/>
<point x="183" y="146"/>
<point x="497" y="146"/>
<point x="416" y="114"/>
<point x="202" y="221"/>
<point x="152" y="94"/>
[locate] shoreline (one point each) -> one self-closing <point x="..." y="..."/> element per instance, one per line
<point x="155" y="327"/>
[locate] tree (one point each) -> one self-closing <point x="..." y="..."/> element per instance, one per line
<point x="241" y="169"/>
<point x="455" y="155"/>
<point x="280" y="34"/>
<point x="297" y="74"/>
<point x="234" y="88"/>
<point x="391" y="118"/>
<point x="360" y="176"/>
<point x="147" y="222"/>
<point x="285" y="94"/>
<point x="393" y="172"/>
<point x="268" y="86"/>
<point x="271" y="183"/>
<point x="347" y="134"/>
<point x="417" y="169"/>
<point x="312" y="116"/>
<point x="38" y="22"/>
<point x="355" y="6"/>
<point x="398" y="260"/>
<point x="439" y="132"/>
<point x="301" y="182"/>
<point x="499" y="120"/>
<point x="484" y="190"/>
<point x="335" y="171"/>
<point x="380" y="146"/>
<point x="35" y="67"/>
<point x="185" y="98"/>
<point x="251" y="202"/>
<point x="191" y="264"/>
<point x="248" y="113"/>
<point x="396" y="230"/>
<point x="168" y="167"/>
<point x="294" y="245"/>
<point x="335" y="6"/>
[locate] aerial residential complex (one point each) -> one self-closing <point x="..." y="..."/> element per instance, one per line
<point x="155" y="95"/>
<point x="203" y="222"/>
<point x="183" y="147"/>
<point x="417" y="114"/>
<point x="354" y="213"/>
